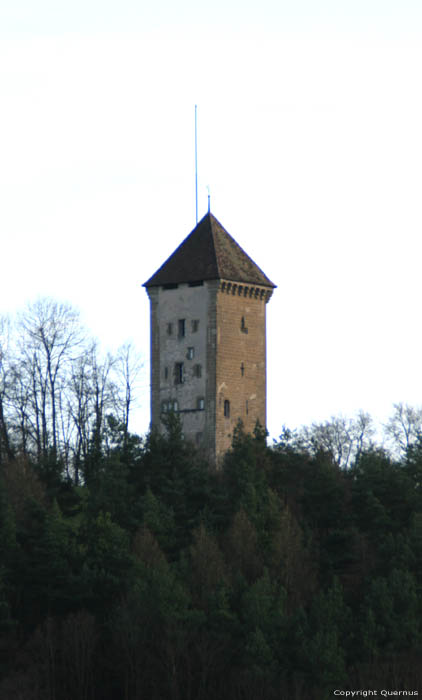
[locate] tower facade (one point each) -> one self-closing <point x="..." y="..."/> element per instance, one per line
<point x="208" y="338"/>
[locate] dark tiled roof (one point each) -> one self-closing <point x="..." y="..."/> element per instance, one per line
<point x="209" y="253"/>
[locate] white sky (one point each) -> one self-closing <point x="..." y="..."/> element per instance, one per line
<point x="309" y="124"/>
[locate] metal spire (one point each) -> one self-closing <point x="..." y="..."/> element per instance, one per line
<point x="196" y="164"/>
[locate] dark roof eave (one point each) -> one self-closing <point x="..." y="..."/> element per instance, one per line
<point x="271" y="285"/>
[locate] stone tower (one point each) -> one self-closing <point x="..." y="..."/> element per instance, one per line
<point x="208" y="338"/>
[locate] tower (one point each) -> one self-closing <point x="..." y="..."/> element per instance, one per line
<point x="208" y="338"/>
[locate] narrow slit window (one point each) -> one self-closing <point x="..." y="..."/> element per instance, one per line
<point x="200" y="404"/>
<point x="227" y="408"/>
<point x="242" y="369"/>
<point x="195" y="326"/>
<point x="181" y="327"/>
<point x="243" y="327"/>
<point x="197" y="371"/>
<point x="179" y="373"/>
<point x="191" y="353"/>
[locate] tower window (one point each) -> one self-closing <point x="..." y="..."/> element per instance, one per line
<point x="169" y="329"/>
<point x="200" y="404"/>
<point x="195" y="325"/>
<point x="179" y="373"/>
<point x="168" y="406"/>
<point x="227" y="408"/>
<point x="243" y="325"/>
<point x="191" y="353"/>
<point x="197" y="371"/>
<point x="181" y="327"/>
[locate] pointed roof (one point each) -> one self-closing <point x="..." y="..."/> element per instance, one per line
<point x="209" y="253"/>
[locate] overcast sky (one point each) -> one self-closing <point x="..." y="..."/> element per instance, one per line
<point x="309" y="126"/>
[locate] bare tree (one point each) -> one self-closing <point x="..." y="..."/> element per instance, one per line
<point x="51" y="338"/>
<point x="104" y="396"/>
<point x="79" y="407"/>
<point x="344" y="439"/>
<point x="56" y="390"/>
<point x="127" y="369"/>
<point x="24" y="421"/>
<point x="404" y="428"/>
<point x="91" y="396"/>
<point x="5" y="441"/>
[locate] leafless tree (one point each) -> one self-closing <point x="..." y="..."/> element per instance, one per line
<point x="51" y="337"/>
<point x="56" y="389"/>
<point x="404" y="428"/>
<point x="344" y="439"/>
<point x="103" y="395"/>
<point x="5" y="442"/>
<point x="79" y="406"/>
<point x="127" y="369"/>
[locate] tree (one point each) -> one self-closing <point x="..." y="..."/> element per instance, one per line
<point x="344" y="439"/>
<point x="6" y="451"/>
<point x="128" y="367"/>
<point x="290" y="561"/>
<point x="207" y="569"/>
<point x="57" y="391"/>
<point x="390" y="619"/>
<point x="404" y="428"/>
<point x="178" y="477"/>
<point x="383" y="494"/>
<point x="51" y="338"/>
<point x="241" y="548"/>
<point x="329" y="625"/>
<point x="108" y="565"/>
<point x="78" y="642"/>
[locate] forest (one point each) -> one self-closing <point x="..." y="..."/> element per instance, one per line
<point x="132" y="570"/>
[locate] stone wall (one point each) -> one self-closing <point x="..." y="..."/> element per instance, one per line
<point x="170" y="351"/>
<point x="241" y="361"/>
<point x="225" y="336"/>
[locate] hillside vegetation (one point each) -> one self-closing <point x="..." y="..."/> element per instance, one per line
<point x="129" y="569"/>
